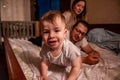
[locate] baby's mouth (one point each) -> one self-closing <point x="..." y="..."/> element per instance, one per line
<point x="52" y="43"/>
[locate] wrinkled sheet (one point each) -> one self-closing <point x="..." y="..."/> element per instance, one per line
<point x="28" y="57"/>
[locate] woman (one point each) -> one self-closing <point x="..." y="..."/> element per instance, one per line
<point x="77" y="12"/>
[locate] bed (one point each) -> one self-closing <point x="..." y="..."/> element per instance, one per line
<point x="17" y="31"/>
<point x="23" y="58"/>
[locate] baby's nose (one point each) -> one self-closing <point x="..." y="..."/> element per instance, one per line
<point x="52" y="34"/>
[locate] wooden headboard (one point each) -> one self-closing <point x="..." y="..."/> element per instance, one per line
<point x="112" y="27"/>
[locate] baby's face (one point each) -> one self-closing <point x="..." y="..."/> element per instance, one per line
<point x="54" y="34"/>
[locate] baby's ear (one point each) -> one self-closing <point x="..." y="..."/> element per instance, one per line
<point x="66" y="30"/>
<point x="66" y="33"/>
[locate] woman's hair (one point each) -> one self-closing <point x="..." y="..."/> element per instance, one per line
<point x="82" y="15"/>
<point x="50" y="17"/>
<point x="85" y="23"/>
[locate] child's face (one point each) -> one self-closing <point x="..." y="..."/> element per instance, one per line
<point x="54" y="34"/>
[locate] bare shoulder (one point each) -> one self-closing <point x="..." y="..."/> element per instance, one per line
<point x="67" y="13"/>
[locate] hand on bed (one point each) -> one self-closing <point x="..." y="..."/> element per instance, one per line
<point x="92" y="58"/>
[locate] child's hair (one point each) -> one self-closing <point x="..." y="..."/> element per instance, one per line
<point x="51" y="16"/>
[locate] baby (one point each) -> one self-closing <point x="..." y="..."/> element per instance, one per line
<point x="56" y="49"/>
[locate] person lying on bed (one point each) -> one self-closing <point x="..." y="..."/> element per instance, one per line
<point x="56" y="49"/>
<point x="77" y="36"/>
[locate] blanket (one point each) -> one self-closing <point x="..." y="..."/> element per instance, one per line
<point x="105" y="39"/>
<point x="28" y="57"/>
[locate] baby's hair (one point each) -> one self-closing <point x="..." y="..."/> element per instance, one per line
<point x="50" y="17"/>
<point x="85" y="23"/>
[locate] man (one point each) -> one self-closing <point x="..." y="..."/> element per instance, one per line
<point x="77" y="36"/>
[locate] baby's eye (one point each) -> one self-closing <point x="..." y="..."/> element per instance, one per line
<point x="45" y="32"/>
<point x="57" y="30"/>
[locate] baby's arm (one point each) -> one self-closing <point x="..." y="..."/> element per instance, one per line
<point x="76" y="65"/>
<point x="44" y="69"/>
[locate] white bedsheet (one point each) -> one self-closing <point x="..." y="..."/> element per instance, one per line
<point x="28" y="56"/>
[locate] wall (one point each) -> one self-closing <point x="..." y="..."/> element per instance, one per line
<point x="98" y="11"/>
<point x="64" y="5"/>
<point x="15" y="10"/>
<point x="103" y="11"/>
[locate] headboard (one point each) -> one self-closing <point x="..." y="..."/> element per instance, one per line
<point x="112" y="27"/>
<point x="19" y="29"/>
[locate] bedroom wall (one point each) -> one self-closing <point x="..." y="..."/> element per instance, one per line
<point x="98" y="11"/>
<point x="15" y="10"/>
<point x="103" y="11"/>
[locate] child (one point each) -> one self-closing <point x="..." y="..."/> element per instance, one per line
<point x="56" y="49"/>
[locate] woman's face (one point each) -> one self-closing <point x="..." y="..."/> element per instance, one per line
<point x="78" y="33"/>
<point x="79" y="7"/>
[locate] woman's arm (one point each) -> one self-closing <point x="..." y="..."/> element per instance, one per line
<point x="76" y="65"/>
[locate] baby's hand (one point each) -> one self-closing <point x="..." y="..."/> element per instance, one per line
<point x="42" y="78"/>
<point x="39" y="77"/>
